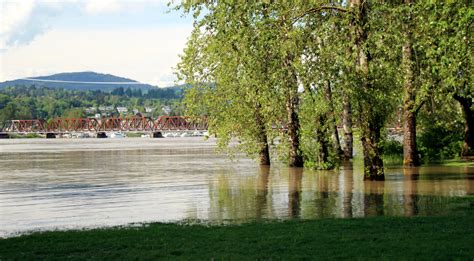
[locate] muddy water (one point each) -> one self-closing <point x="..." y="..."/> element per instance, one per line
<point x="62" y="184"/>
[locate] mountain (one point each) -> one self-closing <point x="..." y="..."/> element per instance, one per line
<point x="80" y="81"/>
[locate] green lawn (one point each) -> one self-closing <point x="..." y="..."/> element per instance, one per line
<point x="436" y="237"/>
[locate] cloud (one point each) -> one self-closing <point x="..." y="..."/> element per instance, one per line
<point x="95" y="7"/>
<point x="13" y="16"/>
<point x="103" y="6"/>
<point x="21" y="21"/>
<point x="143" y="54"/>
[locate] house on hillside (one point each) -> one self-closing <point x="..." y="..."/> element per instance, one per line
<point x="122" y="109"/>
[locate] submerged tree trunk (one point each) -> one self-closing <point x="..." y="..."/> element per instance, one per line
<point x="347" y="126"/>
<point x="295" y="158"/>
<point x="264" y="153"/>
<point x="323" y="151"/>
<point x="373" y="164"/>
<point x="332" y="120"/>
<point x="369" y="123"/>
<point x="410" y="153"/>
<point x="468" y="144"/>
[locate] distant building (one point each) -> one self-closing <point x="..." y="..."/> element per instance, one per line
<point x="166" y="109"/>
<point x="106" y="108"/>
<point x="122" y="109"/>
<point x="148" y="109"/>
<point x="91" y="110"/>
<point x="97" y="116"/>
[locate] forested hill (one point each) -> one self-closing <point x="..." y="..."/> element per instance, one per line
<point x="80" y="81"/>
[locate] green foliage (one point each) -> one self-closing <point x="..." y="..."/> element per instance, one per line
<point x="247" y="60"/>
<point x="231" y="60"/>
<point x="391" y="147"/>
<point x="23" y="102"/>
<point x="440" y="142"/>
<point x="314" y="132"/>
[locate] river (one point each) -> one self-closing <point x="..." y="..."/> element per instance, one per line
<point x="48" y="184"/>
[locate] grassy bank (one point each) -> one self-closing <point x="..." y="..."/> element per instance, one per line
<point x="438" y="237"/>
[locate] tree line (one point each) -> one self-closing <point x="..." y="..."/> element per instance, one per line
<point x="293" y="71"/>
<point x="31" y="102"/>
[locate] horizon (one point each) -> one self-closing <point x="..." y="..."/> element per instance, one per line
<point x="139" y="40"/>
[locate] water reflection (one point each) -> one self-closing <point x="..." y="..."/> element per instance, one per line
<point x="46" y="184"/>
<point x="262" y="191"/>
<point x="294" y="191"/>
<point x="410" y="178"/>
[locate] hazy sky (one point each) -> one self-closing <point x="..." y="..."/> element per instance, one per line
<point x="137" y="39"/>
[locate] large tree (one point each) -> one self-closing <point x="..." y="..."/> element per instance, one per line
<point x="246" y="55"/>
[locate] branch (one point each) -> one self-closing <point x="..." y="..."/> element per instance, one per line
<point x="320" y="8"/>
<point x="417" y="109"/>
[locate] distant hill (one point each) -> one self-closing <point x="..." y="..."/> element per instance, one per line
<point x="80" y="81"/>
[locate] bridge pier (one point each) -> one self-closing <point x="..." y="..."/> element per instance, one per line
<point x="101" y="135"/>
<point x="157" y="134"/>
<point x="50" y="135"/>
<point x="4" y="136"/>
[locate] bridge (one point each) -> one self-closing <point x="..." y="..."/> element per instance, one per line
<point x="100" y="126"/>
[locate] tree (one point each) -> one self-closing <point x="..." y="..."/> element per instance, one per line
<point x="410" y="153"/>
<point x="450" y="26"/>
<point x="242" y="60"/>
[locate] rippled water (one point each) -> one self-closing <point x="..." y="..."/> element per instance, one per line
<point x="75" y="183"/>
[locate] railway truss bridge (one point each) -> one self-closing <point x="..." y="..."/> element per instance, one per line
<point x="100" y="127"/>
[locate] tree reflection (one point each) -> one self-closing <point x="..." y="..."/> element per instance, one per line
<point x="262" y="191"/>
<point x="374" y="198"/>
<point x="410" y="182"/>
<point x="294" y="192"/>
<point x="348" y="184"/>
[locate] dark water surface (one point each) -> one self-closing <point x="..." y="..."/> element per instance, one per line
<point x="76" y="183"/>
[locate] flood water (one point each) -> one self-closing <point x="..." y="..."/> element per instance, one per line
<point x="75" y="183"/>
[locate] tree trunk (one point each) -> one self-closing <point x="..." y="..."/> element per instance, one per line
<point x="323" y="152"/>
<point x="373" y="164"/>
<point x="468" y="144"/>
<point x="295" y="158"/>
<point x="264" y="153"/>
<point x="332" y="120"/>
<point x="347" y="126"/>
<point x="410" y="153"/>
<point x="368" y="122"/>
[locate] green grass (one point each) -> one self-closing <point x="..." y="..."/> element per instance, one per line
<point x="134" y="134"/>
<point x="457" y="163"/>
<point x="426" y="238"/>
<point x="25" y="136"/>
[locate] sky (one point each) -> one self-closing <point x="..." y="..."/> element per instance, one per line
<point x="136" y="39"/>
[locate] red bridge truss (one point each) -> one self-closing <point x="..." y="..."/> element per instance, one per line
<point x="132" y="124"/>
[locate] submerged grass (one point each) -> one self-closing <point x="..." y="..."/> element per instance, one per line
<point x="422" y="237"/>
<point x="457" y="163"/>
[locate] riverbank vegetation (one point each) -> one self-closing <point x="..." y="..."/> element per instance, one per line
<point x="421" y="237"/>
<point x="296" y="71"/>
